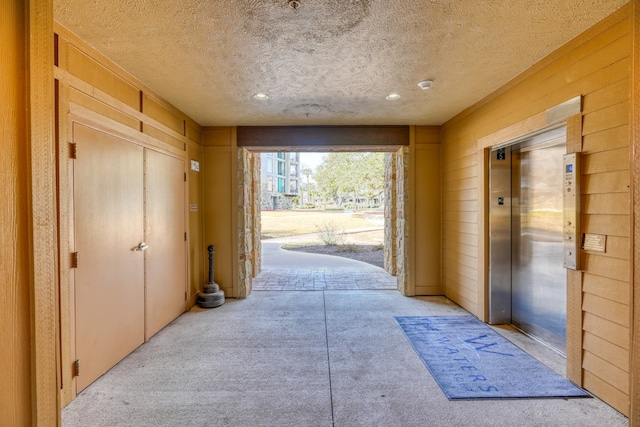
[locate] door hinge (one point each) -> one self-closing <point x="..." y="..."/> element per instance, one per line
<point x="74" y="260"/>
<point x="185" y="236"/>
<point x="76" y="368"/>
<point x="73" y="150"/>
<point x="185" y="177"/>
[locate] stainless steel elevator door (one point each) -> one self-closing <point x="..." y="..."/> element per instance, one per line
<point x="538" y="282"/>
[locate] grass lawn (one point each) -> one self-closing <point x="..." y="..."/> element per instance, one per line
<point x="294" y="223"/>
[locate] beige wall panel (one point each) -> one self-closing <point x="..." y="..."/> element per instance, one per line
<point x="470" y="194"/>
<point x="197" y="264"/>
<point x="606" y="161"/>
<point x="428" y="208"/>
<point x="103" y="109"/>
<point x="469" y="217"/>
<point x="458" y="173"/>
<point x="606" y="118"/>
<point x="454" y="186"/>
<point x="162" y="115"/>
<point x="607" y="309"/>
<point x="465" y="260"/>
<point x="464" y="238"/>
<point x="603" y="369"/>
<point x="161" y="136"/>
<point x="606" y="140"/>
<point x="460" y="248"/>
<point x="427" y="135"/>
<point x="612" y="225"/>
<point x="614" y="397"/>
<point x="614" y="290"/>
<point x="194" y="132"/>
<point x="608" y="182"/>
<point x="605" y="97"/>
<point x="15" y="358"/>
<point x="607" y="330"/>
<point x="218" y="212"/>
<point x="463" y="227"/>
<point x="604" y="349"/>
<point x="606" y="204"/>
<point x="214" y="136"/>
<point x="617" y="269"/>
<point x="85" y="68"/>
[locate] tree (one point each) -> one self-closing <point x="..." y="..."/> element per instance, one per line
<point x="360" y="175"/>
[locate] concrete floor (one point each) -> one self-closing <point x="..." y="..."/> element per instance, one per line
<point x="325" y="358"/>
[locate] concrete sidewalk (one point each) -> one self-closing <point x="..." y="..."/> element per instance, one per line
<point x="317" y="359"/>
<point x="285" y="270"/>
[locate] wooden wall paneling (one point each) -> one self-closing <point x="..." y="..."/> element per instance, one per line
<point x="634" y="393"/>
<point x="15" y="351"/>
<point x="427" y="232"/>
<point x="161" y="114"/>
<point x="90" y="71"/>
<point x="42" y="215"/>
<point x="219" y="176"/>
<point x="180" y="144"/>
<point x="93" y="104"/>
<point x="194" y="131"/>
<point x="610" y="139"/>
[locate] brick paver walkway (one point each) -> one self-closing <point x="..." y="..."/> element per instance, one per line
<point x="320" y="279"/>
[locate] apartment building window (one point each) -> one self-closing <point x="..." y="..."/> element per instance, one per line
<point x="281" y="185"/>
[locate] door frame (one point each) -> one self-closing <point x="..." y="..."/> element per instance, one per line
<point x="569" y="113"/>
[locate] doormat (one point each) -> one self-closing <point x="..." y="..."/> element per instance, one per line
<point x="471" y="361"/>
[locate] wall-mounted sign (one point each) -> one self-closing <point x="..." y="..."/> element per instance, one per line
<point x="594" y="242"/>
<point x="195" y="165"/>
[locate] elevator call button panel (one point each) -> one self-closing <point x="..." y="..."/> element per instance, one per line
<point x="571" y="211"/>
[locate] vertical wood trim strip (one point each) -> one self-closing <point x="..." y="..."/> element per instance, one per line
<point x="411" y="213"/>
<point x="574" y="279"/>
<point x="234" y="214"/>
<point x="42" y="214"/>
<point x="634" y="393"/>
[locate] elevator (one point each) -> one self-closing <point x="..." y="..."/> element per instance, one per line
<point x="527" y="233"/>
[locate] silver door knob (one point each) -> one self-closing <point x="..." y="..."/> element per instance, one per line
<point x="141" y="247"/>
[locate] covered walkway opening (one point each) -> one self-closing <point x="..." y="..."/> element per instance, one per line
<point x="323" y="220"/>
<point x="308" y="272"/>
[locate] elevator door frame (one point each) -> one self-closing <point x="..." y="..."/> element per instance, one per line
<point x="500" y="208"/>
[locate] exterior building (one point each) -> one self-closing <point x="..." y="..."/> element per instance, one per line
<point x="280" y="180"/>
<point x="58" y="95"/>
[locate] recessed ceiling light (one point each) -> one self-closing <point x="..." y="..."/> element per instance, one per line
<point x="261" y="96"/>
<point x="425" y="84"/>
<point x="392" y="97"/>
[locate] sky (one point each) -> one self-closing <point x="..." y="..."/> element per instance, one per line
<point x="311" y="160"/>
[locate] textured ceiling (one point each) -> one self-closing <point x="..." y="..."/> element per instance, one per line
<point x="329" y="62"/>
